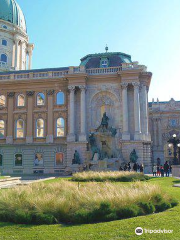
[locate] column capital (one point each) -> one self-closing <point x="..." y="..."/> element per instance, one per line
<point x="124" y="85"/>
<point x="82" y="87"/>
<point x="30" y="93"/>
<point x="50" y="92"/>
<point x="136" y="85"/>
<point x="11" y="94"/>
<point x="71" y="88"/>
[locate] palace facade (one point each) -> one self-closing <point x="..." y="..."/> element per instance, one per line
<point x="48" y="115"/>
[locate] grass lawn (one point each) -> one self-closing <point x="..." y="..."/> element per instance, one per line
<point x="122" y="229"/>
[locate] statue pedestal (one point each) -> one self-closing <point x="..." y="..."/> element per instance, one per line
<point x="176" y="170"/>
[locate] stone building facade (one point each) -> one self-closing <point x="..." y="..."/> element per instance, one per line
<point x="164" y="119"/>
<point x="47" y="115"/>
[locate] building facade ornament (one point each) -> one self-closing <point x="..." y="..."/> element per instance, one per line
<point x="30" y="93"/>
<point x="50" y="92"/>
<point x="11" y="94"/>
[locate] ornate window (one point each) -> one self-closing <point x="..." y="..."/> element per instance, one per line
<point x="3" y="58"/>
<point x="4" y="42"/>
<point x="59" y="158"/>
<point x="60" y="129"/>
<point x="1" y="160"/>
<point x="38" y="161"/>
<point x="40" y="128"/>
<point x="2" y="101"/>
<point x="60" y="98"/>
<point x="18" y="160"/>
<point x="4" y="26"/>
<point x="40" y="99"/>
<point x="20" y="128"/>
<point x="2" y="129"/>
<point x="21" y="100"/>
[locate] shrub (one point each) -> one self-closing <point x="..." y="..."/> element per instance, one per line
<point x="114" y="176"/>
<point x="67" y="202"/>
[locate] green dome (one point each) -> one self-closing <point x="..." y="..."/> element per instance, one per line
<point x="11" y="12"/>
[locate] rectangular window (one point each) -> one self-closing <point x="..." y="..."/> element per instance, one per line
<point x="1" y="160"/>
<point x="38" y="161"/>
<point x="59" y="158"/>
<point x="18" y="160"/>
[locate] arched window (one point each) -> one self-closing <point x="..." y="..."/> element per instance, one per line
<point x="18" y="160"/>
<point x="2" y="101"/>
<point x="2" y="129"/>
<point x="4" y="42"/>
<point x="20" y="128"/>
<point x="60" y="127"/>
<point x="60" y="98"/>
<point x="1" y="160"/>
<point x="3" y="58"/>
<point x="40" y="128"/>
<point x="59" y="158"/>
<point x="40" y="99"/>
<point x="20" y="100"/>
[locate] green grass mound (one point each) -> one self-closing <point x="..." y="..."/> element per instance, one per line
<point x="67" y="202"/>
<point x="109" y="176"/>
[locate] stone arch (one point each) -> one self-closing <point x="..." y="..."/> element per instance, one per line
<point x="101" y="102"/>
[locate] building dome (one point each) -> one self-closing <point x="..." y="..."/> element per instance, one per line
<point x="11" y="12"/>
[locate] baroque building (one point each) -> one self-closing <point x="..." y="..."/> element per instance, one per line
<point x="57" y="120"/>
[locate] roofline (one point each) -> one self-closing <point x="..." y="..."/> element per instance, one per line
<point x="35" y="70"/>
<point x="105" y="54"/>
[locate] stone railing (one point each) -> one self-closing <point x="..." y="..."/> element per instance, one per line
<point x="108" y="70"/>
<point x="72" y="70"/>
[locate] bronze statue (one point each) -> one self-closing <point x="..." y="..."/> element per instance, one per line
<point x="104" y="121"/>
<point x="94" y="148"/>
<point x="76" y="159"/>
<point x="133" y="156"/>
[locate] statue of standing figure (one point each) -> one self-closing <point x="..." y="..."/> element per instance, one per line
<point x="104" y="121"/>
<point x="133" y="156"/>
<point x="76" y="159"/>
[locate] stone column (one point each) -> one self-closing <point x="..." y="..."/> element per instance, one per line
<point x="16" y="54"/>
<point x="145" y="112"/>
<point x="159" y="132"/>
<point x="10" y="123"/>
<point x="30" y="60"/>
<point x="125" y="134"/>
<point x="155" y="132"/>
<point x="137" y="135"/>
<point x="71" y="135"/>
<point x="21" y="56"/>
<point x="29" y="136"/>
<point x="82" y="136"/>
<point x="50" y="135"/>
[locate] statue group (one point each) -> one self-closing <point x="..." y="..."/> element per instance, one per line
<point x="105" y="131"/>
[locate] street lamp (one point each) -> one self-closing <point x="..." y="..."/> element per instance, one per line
<point x="175" y="142"/>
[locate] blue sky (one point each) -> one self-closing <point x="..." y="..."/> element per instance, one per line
<point x="148" y="30"/>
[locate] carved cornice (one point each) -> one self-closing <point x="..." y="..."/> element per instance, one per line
<point x="30" y="93"/>
<point x="50" y="92"/>
<point x="11" y="94"/>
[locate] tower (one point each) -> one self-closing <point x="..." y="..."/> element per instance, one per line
<point x="15" y="49"/>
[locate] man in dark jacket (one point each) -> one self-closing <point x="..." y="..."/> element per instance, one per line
<point x="166" y="169"/>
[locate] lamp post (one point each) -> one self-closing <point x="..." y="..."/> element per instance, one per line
<point x="175" y="142"/>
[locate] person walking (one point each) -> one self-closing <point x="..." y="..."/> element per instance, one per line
<point x="135" y="167"/>
<point x="154" y="170"/>
<point x="141" y="168"/>
<point x="158" y="171"/>
<point x="162" y="171"/>
<point x="166" y="169"/>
